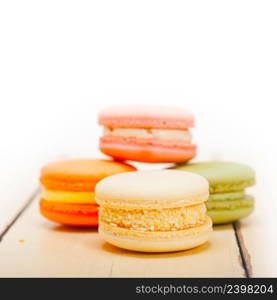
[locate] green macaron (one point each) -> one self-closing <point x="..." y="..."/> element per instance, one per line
<point x="228" y="180"/>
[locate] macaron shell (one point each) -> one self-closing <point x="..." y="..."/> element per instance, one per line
<point x="156" y="241"/>
<point x="146" y="117"/>
<point x="70" y="214"/>
<point x="230" y="204"/>
<point x="151" y="152"/>
<point x="79" y="174"/>
<point x="70" y="220"/>
<point x="222" y="176"/>
<point x="227" y="216"/>
<point x="225" y="211"/>
<point x="154" y="189"/>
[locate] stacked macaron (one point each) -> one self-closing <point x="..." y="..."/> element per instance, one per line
<point x="68" y="189"/>
<point x="147" y="134"/>
<point x="154" y="211"/>
<point x="151" y="211"/>
<point x="228" y="180"/>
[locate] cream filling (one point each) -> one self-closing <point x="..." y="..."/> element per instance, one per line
<point x="161" y="134"/>
<point x="167" y="219"/>
<point x="68" y="197"/>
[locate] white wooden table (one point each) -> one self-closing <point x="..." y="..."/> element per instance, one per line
<point x="31" y="246"/>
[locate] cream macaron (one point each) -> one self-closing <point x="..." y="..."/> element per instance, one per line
<point x="154" y="211"/>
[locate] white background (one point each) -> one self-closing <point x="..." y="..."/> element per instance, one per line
<point x="62" y="61"/>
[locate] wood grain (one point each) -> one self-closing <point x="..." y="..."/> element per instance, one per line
<point x="259" y="245"/>
<point x="14" y="200"/>
<point x="35" y="247"/>
<point x="258" y="231"/>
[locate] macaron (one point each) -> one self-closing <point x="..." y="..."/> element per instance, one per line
<point x="228" y="180"/>
<point x="153" y="134"/>
<point x="68" y="189"/>
<point x="154" y="211"/>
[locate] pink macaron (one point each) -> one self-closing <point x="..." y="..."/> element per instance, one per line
<point x="153" y="134"/>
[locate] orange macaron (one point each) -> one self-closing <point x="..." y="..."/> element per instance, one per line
<point x="68" y="189"/>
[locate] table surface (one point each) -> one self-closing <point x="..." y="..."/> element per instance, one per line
<point x="31" y="246"/>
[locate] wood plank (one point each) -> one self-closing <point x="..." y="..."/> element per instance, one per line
<point x="16" y="191"/>
<point x="35" y="247"/>
<point x="258" y="242"/>
<point x="217" y="258"/>
<point x="16" y="213"/>
<point x="19" y="180"/>
<point x="258" y="231"/>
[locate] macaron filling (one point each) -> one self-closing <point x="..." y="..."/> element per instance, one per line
<point x="232" y="186"/>
<point x="68" y="197"/>
<point x="166" y="219"/>
<point x="226" y="196"/>
<point x="143" y="133"/>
